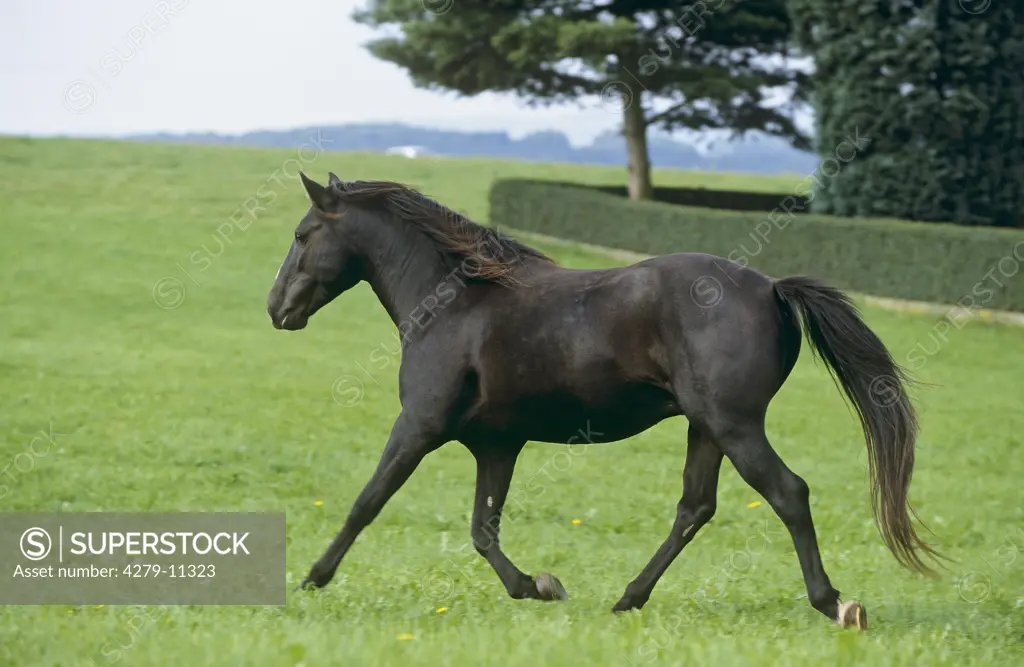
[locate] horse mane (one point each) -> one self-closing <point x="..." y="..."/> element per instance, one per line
<point x="486" y="254"/>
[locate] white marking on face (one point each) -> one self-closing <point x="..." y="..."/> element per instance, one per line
<point x="490" y="501"/>
<point x="688" y="529"/>
<point x="285" y="261"/>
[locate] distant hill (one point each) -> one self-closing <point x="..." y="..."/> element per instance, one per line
<point x="758" y="154"/>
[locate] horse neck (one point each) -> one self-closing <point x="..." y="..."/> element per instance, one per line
<point x="403" y="267"/>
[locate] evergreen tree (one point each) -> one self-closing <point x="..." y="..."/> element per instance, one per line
<point x="712" y="64"/>
<point x="936" y="88"/>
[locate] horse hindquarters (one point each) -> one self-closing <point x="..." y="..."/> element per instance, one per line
<point x="730" y="361"/>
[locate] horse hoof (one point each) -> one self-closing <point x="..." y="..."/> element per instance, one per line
<point x="624" y="605"/>
<point x="306" y="585"/>
<point x="550" y="588"/>
<point x="852" y="615"/>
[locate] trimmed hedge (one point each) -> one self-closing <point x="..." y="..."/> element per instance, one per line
<point x="975" y="267"/>
<point x="725" y="200"/>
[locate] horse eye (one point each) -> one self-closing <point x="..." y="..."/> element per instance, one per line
<point x="298" y="237"/>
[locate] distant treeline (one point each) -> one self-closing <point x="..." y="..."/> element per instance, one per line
<point x="758" y="154"/>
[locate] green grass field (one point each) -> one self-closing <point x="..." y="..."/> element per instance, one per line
<point x="204" y="406"/>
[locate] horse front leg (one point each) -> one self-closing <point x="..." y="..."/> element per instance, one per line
<point x="407" y="445"/>
<point x="494" y="469"/>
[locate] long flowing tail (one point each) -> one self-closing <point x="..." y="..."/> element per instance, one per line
<point x="876" y="386"/>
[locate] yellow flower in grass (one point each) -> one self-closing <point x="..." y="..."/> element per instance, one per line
<point x="318" y="503"/>
<point x="405" y="636"/>
<point x="576" y="522"/>
<point x="756" y="503"/>
<point x="441" y="610"/>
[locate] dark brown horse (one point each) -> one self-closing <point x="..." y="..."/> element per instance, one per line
<point x="501" y="346"/>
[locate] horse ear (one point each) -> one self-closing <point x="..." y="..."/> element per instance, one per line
<point x="322" y="198"/>
<point x="332" y="179"/>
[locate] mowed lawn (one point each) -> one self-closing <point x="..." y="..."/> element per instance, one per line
<point x="204" y="407"/>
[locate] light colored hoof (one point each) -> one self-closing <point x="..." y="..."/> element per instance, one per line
<point x="852" y="615"/>
<point x="550" y="588"/>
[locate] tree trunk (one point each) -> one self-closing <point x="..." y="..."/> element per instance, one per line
<point x="634" y="128"/>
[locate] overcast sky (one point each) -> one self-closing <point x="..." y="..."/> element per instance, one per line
<point x="102" y="67"/>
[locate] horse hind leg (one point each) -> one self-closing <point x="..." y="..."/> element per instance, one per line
<point x="695" y="508"/>
<point x="747" y="447"/>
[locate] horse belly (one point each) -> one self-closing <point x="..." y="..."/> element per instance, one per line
<point x="602" y="377"/>
<point x="571" y="418"/>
